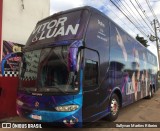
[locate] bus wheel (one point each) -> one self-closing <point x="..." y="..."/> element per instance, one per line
<point x="114" y="108"/>
<point x="150" y="93"/>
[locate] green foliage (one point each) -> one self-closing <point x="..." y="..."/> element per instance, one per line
<point x="142" y="40"/>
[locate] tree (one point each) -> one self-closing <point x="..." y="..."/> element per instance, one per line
<point x="142" y="40"/>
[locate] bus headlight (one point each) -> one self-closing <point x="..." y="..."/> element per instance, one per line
<point x="67" y="108"/>
<point x="20" y="103"/>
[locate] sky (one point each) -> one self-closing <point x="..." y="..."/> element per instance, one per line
<point x="140" y="15"/>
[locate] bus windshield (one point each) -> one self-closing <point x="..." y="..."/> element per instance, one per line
<point x="47" y="70"/>
<point x="59" y="27"/>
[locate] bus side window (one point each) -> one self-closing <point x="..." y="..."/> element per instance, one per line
<point x="91" y="74"/>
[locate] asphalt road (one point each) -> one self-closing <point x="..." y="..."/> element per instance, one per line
<point x="145" y="110"/>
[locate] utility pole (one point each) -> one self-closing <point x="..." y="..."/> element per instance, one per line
<point x="155" y="29"/>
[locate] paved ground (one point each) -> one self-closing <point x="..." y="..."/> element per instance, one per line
<point x="145" y="110"/>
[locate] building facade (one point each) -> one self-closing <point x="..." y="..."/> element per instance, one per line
<point x="19" y="17"/>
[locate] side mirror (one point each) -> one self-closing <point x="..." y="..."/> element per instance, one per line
<point x="8" y="56"/>
<point x="72" y="57"/>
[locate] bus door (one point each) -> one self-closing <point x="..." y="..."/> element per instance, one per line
<point x="90" y="85"/>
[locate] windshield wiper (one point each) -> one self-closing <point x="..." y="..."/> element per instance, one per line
<point x="58" y="89"/>
<point x="24" y="89"/>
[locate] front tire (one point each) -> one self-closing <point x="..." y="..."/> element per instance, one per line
<point x="114" y="108"/>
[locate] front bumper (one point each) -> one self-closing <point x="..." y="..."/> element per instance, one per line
<point x="69" y="119"/>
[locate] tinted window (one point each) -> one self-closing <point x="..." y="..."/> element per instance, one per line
<point x="29" y="68"/>
<point x="91" y="73"/>
<point x="47" y="70"/>
<point x="66" y="26"/>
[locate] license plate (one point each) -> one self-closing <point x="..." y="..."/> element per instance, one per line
<point x="36" y="117"/>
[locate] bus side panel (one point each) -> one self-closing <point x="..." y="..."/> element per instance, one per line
<point x="121" y="59"/>
<point x="127" y="60"/>
<point x="131" y="66"/>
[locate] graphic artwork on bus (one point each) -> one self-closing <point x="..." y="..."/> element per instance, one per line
<point x="136" y="73"/>
<point x="53" y="29"/>
<point x="121" y="44"/>
<point x="145" y="74"/>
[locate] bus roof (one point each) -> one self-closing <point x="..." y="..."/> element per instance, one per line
<point x="69" y="11"/>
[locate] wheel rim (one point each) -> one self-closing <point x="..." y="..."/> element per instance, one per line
<point x="114" y="106"/>
<point x="150" y="92"/>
